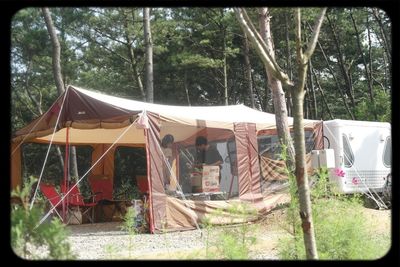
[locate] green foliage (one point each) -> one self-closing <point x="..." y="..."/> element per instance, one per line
<point x="130" y="225"/>
<point x="231" y="243"/>
<point x="129" y="162"/>
<point x="110" y="251"/>
<point x="28" y="238"/>
<point x="342" y="231"/>
<point x="231" y="248"/>
<point x="322" y="186"/>
<point x="134" y="222"/>
<point x="33" y="156"/>
<point x="189" y="47"/>
<point x="293" y="222"/>
<point x="365" y="109"/>
<point x="206" y="224"/>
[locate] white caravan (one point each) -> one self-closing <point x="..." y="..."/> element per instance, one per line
<point x="362" y="154"/>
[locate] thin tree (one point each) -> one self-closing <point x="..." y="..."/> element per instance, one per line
<point x="149" y="55"/>
<point x="298" y="100"/>
<point x="275" y="76"/>
<point x="56" y="51"/>
<point x="299" y="139"/>
<point x="247" y="68"/>
<point x="225" y="65"/>
<point x="332" y="72"/>
<point x="367" y="67"/>
<point x="342" y="66"/>
<point x="134" y="72"/>
<point x="278" y="95"/>
<point x="288" y="60"/>
<point x="58" y="78"/>
<point x="322" y="94"/>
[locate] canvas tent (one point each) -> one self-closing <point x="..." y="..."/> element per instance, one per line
<point x="85" y="117"/>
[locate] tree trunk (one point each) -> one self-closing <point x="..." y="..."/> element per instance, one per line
<point x="322" y="95"/>
<point x="56" y="50"/>
<point x="267" y="97"/>
<point x="58" y="79"/>
<point x="257" y="92"/>
<point x="312" y="91"/>
<point x="247" y="68"/>
<point x="149" y="55"/>
<point x="225" y="73"/>
<point x="350" y="91"/>
<point x="299" y="139"/>
<point x="288" y="63"/>
<point x="260" y="46"/>
<point x="384" y="36"/>
<point x="186" y="88"/>
<point x="287" y="40"/>
<point x="370" y="77"/>
<point x="387" y="57"/>
<point x="278" y="95"/>
<point x="342" y="94"/>
<point x="366" y="68"/>
<point x="134" y="72"/>
<point x="268" y="59"/>
<point x="262" y="22"/>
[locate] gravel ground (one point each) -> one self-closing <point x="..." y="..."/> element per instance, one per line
<point x="105" y="241"/>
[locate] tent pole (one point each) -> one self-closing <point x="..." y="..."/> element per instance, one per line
<point x="230" y="187"/>
<point x="151" y="216"/>
<point x="66" y="171"/>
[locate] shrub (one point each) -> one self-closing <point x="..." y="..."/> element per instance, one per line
<point x="28" y="237"/>
<point x="230" y="242"/>
<point x="341" y="229"/>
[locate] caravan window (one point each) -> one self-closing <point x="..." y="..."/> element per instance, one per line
<point x="348" y="152"/>
<point x="387" y="152"/>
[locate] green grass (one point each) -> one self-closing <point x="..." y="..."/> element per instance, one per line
<point x="343" y="232"/>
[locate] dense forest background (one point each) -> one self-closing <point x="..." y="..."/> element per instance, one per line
<point x="200" y="53"/>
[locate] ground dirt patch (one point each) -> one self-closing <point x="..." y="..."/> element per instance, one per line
<point x="105" y="241"/>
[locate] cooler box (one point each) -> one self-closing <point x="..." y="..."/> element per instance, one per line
<point x="205" y="180"/>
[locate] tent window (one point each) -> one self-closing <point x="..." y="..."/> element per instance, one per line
<point x="229" y="171"/>
<point x="269" y="146"/>
<point x="129" y="162"/>
<point x="387" y="152"/>
<point x="310" y="140"/>
<point x="348" y="152"/>
<point x="228" y="183"/>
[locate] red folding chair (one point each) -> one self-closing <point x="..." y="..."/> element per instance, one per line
<point x="76" y="199"/>
<point x="50" y="192"/>
<point x="102" y="188"/>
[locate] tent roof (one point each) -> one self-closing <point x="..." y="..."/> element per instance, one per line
<point x="99" y="118"/>
<point x="231" y="113"/>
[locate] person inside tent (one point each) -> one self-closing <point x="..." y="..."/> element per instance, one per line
<point x="166" y="145"/>
<point x="206" y="154"/>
